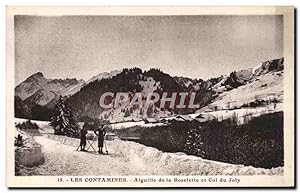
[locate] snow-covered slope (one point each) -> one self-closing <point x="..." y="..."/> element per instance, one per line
<point x="246" y="76"/>
<point x="268" y="66"/>
<point x="103" y="75"/>
<point x="265" y="87"/>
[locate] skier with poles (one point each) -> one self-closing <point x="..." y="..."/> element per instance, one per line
<point x="83" y="133"/>
<point x="100" y="132"/>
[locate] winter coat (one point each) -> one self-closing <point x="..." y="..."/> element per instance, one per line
<point x="100" y="132"/>
<point x="83" y="133"/>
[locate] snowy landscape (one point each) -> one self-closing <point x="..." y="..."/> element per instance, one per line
<point x="57" y="155"/>
<point x="149" y="95"/>
<point x="125" y="158"/>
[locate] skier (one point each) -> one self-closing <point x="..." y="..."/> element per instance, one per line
<point x="83" y="133"/>
<point x="100" y="132"/>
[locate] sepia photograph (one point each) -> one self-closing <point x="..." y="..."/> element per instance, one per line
<point x="189" y="98"/>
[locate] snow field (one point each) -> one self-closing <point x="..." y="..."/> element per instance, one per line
<point x="64" y="160"/>
<point x="242" y="114"/>
<point x="132" y="124"/>
<point x="152" y="159"/>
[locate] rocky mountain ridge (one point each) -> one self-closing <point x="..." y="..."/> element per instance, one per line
<point x="83" y="97"/>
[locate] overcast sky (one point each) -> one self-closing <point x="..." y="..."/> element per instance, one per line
<point x="192" y="46"/>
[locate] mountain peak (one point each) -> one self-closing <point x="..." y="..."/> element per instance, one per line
<point x="268" y="66"/>
<point x="38" y="74"/>
<point x="41" y="90"/>
<point x="35" y="76"/>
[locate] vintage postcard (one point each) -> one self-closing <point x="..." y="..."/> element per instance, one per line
<point x="150" y="97"/>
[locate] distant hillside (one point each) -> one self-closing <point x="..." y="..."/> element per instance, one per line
<point x="265" y="83"/>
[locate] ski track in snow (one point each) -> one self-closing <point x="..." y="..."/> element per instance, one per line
<point x="62" y="159"/>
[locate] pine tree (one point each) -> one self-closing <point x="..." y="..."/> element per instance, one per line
<point x="150" y="111"/>
<point x="195" y="142"/>
<point x="127" y="113"/>
<point x="141" y="112"/>
<point x="62" y="120"/>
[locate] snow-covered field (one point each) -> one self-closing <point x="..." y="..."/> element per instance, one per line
<point x="124" y="125"/>
<point x="151" y="161"/>
<point x="63" y="159"/>
<point x="241" y="114"/>
<point x="46" y="128"/>
<point x="43" y="125"/>
<point x="126" y="158"/>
